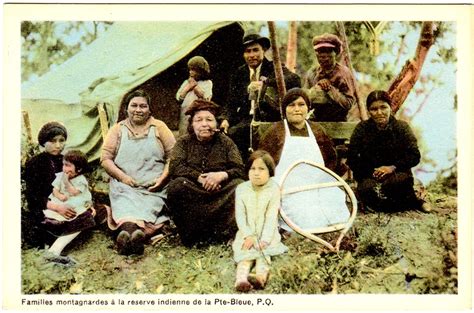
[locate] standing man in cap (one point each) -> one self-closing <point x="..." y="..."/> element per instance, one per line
<point x="253" y="92"/>
<point x="331" y="85"/>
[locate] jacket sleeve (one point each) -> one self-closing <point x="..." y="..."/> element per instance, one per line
<point x="272" y="141"/>
<point x="411" y="154"/>
<point x="207" y="89"/>
<point x="235" y="167"/>
<point x="344" y="99"/>
<point x="292" y="80"/>
<point x="354" y="159"/>
<point x="37" y="191"/>
<point x="342" y="90"/>
<point x="166" y="137"/>
<point x="111" y="144"/>
<point x="178" y="98"/>
<point x="178" y="164"/>
<point x="232" y="99"/>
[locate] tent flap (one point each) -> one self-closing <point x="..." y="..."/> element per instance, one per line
<point x="128" y="55"/>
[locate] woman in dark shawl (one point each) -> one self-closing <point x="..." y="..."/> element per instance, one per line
<point x="205" y="169"/>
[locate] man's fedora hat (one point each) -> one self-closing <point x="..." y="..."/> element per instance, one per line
<point x="256" y="38"/>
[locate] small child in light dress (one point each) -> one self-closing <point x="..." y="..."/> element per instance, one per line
<point x="257" y="202"/>
<point x="197" y="86"/>
<point x="70" y="186"/>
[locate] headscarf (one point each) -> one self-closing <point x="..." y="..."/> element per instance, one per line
<point x="50" y="130"/>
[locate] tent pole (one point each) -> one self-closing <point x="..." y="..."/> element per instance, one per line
<point x="26" y="120"/>
<point x="277" y="64"/>
<point x="347" y="60"/>
<point x="104" y="125"/>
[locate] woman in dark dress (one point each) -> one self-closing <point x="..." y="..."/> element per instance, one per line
<point x="382" y="152"/>
<point x="205" y="169"/>
<point x="40" y="172"/>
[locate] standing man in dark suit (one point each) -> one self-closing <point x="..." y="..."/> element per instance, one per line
<point x="253" y="92"/>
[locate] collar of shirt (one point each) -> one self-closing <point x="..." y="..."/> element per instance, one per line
<point x="257" y="72"/>
<point x="143" y="131"/>
<point x="326" y="74"/>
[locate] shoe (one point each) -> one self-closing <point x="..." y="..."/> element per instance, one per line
<point x="60" y="260"/>
<point x="123" y="243"/>
<point x="284" y="234"/>
<point x="426" y="207"/>
<point x="138" y="242"/>
<point x="243" y="286"/>
<point x="258" y="281"/>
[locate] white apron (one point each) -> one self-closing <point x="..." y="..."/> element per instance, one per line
<point x="143" y="160"/>
<point x="313" y="208"/>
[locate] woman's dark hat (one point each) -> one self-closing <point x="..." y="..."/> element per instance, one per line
<point x="51" y="130"/>
<point x="256" y="38"/>
<point x="327" y="41"/>
<point x="202" y="105"/>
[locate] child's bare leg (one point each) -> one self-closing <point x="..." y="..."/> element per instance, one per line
<point x="241" y="280"/>
<point x="262" y="268"/>
<point x="54" y="252"/>
<point x="60" y="243"/>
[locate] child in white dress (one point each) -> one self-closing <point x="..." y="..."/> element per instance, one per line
<point x="70" y="186"/>
<point x="197" y="86"/>
<point x="257" y="202"/>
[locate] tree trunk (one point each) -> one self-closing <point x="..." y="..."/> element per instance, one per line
<point x="42" y="59"/>
<point x="404" y="82"/>
<point x="346" y="60"/>
<point x="292" y="46"/>
<point x="277" y="64"/>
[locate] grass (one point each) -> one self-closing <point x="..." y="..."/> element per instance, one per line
<point x="400" y="253"/>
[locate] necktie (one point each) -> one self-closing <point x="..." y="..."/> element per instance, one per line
<point x="252" y="94"/>
<point x="253" y="77"/>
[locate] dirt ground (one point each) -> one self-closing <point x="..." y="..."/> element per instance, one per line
<point x="399" y="253"/>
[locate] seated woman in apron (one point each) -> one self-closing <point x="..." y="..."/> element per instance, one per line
<point x="136" y="156"/>
<point x="296" y="139"/>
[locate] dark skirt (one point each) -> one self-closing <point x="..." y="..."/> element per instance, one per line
<point x="396" y="193"/>
<point x="201" y="216"/>
<point x="62" y="228"/>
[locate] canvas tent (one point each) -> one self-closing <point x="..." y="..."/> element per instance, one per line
<point x="130" y="55"/>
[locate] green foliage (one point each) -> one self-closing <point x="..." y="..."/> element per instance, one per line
<point x="407" y="252"/>
<point x="49" y="43"/>
<point x="446" y="182"/>
<point x="42" y="277"/>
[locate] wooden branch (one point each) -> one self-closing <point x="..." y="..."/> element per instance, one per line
<point x="311" y="187"/>
<point x="26" y="120"/>
<point x="104" y="125"/>
<point x="277" y="64"/>
<point x="310" y="233"/>
<point x="404" y="82"/>
<point x="346" y="59"/>
<point x="292" y="48"/>
<point x="421" y="106"/>
<point x="400" y="50"/>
